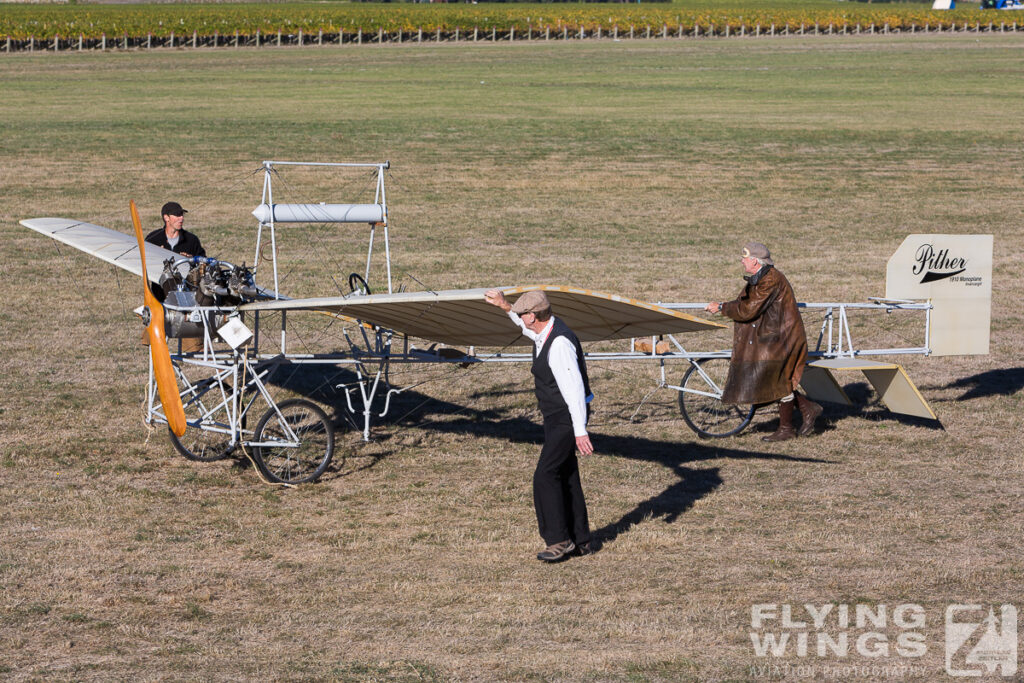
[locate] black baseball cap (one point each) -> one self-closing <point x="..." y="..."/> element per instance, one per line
<point x="172" y="209"/>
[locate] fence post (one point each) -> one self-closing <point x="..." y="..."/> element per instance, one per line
<point x="512" y="34"/>
<point x="300" y="37"/>
<point x="81" y="40"/>
<point x="103" y="42"/>
<point x="494" y="34"/>
<point x="257" y="37"/>
<point x="124" y="42"/>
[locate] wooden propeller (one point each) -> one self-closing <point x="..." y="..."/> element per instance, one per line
<point x="166" y="384"/>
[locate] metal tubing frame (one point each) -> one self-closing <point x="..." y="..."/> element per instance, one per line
<point x="376" y="347"/>
<point x="834" y="339"/>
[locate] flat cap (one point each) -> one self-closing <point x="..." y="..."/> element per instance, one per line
<point x="759" y="251"/>
<point x="531" y="302"/>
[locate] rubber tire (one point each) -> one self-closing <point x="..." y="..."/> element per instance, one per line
<point x="217" y="447"/>
<point x="210" y="448"/>
<point x="295" y="465"/>
<point x="708" y="417"/>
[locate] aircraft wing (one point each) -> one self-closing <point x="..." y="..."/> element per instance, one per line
<point x="461" y="317"/>
<point x="103" y="243"/>
<point x="109" y="245"/>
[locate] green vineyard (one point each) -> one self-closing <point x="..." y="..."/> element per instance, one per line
<point x="216" y="24"/>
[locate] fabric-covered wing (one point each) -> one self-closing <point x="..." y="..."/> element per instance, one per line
<point x="462" y="317"/>
<point x="111" y="246"/>
<point x="103" y="243"/>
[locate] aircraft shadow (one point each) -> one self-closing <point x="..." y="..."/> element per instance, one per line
<point x="867" y="406"/>
<point x="414" y="410"/>
<point x="694" y="482"/>
<point x="1000" y="382"/>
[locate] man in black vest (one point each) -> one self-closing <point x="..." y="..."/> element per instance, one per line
<point x="563" y="392"/>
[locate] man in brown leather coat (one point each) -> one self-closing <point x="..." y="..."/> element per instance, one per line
<point x="769" y="344"/>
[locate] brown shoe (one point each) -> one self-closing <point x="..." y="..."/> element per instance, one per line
<point x="785" y="432"/>
<point x="557" y="552"/>
<point x="588" y="548"/>
<point x="809" y="411"/>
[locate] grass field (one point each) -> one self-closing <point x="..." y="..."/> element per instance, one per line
<point x="633" y="168"/>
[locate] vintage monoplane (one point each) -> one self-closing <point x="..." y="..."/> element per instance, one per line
<point x="216" y="400"/>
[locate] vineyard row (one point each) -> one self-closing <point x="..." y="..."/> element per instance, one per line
<point x="196" y="40"/>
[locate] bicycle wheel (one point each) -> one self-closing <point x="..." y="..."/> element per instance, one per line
<point x="302" y="458"/>
<point x="202" y="405"/>
<point x="702" y="406"/>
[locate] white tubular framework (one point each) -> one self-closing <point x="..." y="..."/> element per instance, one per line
<point x="268" y="214"/>
<point x="222" y="386"/>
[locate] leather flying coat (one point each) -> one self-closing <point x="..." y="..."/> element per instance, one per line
<point x="769" y="345"/>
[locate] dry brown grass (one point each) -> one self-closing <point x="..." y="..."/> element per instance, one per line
<point x="636" y="169"/>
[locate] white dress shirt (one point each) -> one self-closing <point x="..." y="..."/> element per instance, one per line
<point x="562" y="361"/>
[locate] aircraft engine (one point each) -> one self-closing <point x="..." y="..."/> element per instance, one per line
<point x="208" y="284"/>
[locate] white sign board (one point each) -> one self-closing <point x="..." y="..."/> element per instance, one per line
<point x="955" y="272"/>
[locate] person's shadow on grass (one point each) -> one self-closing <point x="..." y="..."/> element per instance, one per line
<point x="415" y="411"/>
<point x="694" y="482"/>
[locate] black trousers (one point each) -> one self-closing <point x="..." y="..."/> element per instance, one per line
<point x="557" y="492"/>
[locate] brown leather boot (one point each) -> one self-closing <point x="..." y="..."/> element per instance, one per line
<point x="785" y="432"/>
<point x="809" y="411"/>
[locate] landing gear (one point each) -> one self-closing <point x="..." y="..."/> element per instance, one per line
<point x="294" y="442"/>
<point x="700" y="401"/>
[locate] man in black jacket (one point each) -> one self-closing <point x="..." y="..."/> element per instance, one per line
<point x="563" y="392"/>
<point x="173" y="236"/>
